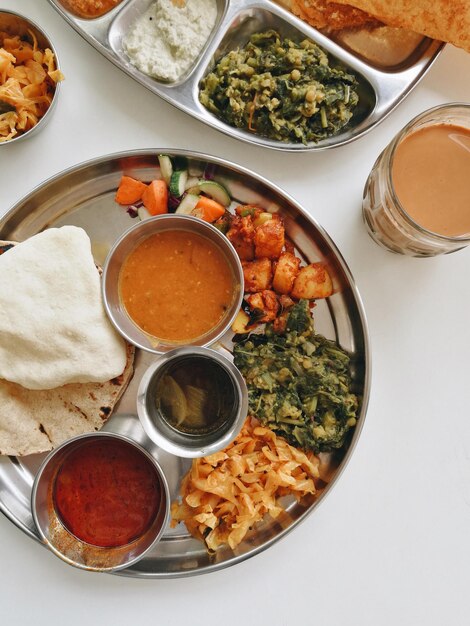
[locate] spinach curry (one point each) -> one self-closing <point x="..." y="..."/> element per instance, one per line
<point x="298" y="383"/>
<point x="281" y="90"/>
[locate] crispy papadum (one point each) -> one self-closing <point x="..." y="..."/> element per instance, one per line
<point x="52" y="320"/>
<point x="33" y="421"/>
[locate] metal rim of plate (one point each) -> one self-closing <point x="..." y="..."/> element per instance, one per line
<point x="381" y="90"/>
<point x="84" y="196"/>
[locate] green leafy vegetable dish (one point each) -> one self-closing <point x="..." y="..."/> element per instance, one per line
<point x="281" y="90"/>
<point x="299" y="383"/>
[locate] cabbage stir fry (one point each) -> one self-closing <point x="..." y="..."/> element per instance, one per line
<point x="299" y="383"/>
<point x="281" y="90"/>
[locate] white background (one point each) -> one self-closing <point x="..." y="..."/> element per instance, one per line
<point x="391" y="544"/>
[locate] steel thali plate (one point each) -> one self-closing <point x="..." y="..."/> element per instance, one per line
<point x="381" y="88"/>
<point x="84" y="196"/>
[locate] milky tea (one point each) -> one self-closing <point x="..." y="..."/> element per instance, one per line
<point x="417" y="196"/>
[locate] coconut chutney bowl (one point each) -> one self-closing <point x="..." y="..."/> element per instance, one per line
<point x="15" y="24"/>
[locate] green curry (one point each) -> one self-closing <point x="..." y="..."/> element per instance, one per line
<point x="281" y="90"/>
<point x="299" y="383"/>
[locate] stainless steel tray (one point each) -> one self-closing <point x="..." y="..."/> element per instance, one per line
<point x="84" y="196"/>
<point x="381" y="90"/>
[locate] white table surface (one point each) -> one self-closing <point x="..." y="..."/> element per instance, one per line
<point x="391" y="543"/>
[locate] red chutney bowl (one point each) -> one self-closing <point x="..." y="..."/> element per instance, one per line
<point x="100" y="502"/>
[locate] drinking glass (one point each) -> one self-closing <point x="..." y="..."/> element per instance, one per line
<point x="386" y="220"/>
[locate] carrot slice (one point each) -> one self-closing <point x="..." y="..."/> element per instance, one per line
<point x="155" y="197"/>
<point x="130" y="190"/>
<point x="208" y="210"/>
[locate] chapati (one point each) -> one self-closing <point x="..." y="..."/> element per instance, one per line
<point x="33" y="421"/>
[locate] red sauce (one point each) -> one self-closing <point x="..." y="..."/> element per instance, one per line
<point x="107" y="493"/>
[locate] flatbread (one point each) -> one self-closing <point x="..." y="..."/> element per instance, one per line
<point x="438" y="19"/>
<point x="53" y="327"/>
<point x="33" y="421"/>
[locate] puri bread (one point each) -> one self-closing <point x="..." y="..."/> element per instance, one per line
<point x="53" y="327"/>
<point x="33" y="421"/>
<point x="438" y="19"/>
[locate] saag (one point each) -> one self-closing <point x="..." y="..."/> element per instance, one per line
<point x="299" y="383"/>
<point x="281" y="89"/>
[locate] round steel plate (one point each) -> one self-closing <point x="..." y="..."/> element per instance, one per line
<point x="84" y="196"/>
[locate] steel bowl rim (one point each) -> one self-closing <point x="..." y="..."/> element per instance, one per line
<point x="45" y="118"/>
<point x="71" y="442"/>
<point x="182" y="450"/>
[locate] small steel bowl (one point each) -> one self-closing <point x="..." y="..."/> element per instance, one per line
<point x="168" y="437"/>
<point x="67" y="546"/>
<point x="124" y="246"/>
<point x="16" y="24"/>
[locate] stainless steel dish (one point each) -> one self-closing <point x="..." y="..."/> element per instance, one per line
<point x="84" y="196"/>
<point x="124" y="246"/>
<point x="68" y="547"/>
<point x="381" y="89"/>
<point x="17" y="24"/>
<point x="173" y="440"/>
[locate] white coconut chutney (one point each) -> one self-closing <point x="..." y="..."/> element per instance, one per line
<point x="165" y="41"/>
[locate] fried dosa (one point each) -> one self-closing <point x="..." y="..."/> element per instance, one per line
<point x="438" y="19"/>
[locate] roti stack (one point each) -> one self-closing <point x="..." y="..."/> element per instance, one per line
<point x="63" y="368"/>
<point x="33" y="421"/>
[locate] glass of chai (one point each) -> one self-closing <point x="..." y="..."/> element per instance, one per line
<point x="417" y="197"/>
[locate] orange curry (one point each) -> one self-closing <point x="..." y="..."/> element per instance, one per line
<point x="176" y="285"/>
<point x="90" y="8"/>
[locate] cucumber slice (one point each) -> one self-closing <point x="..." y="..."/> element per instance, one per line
<point x="215" y="191"/>
<point x="142" y="213"/>
<point x="166" y="168"/>
<point x="192" y="183"/>
<point x="178" y="182"/>
<point x="187" y="204"/>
